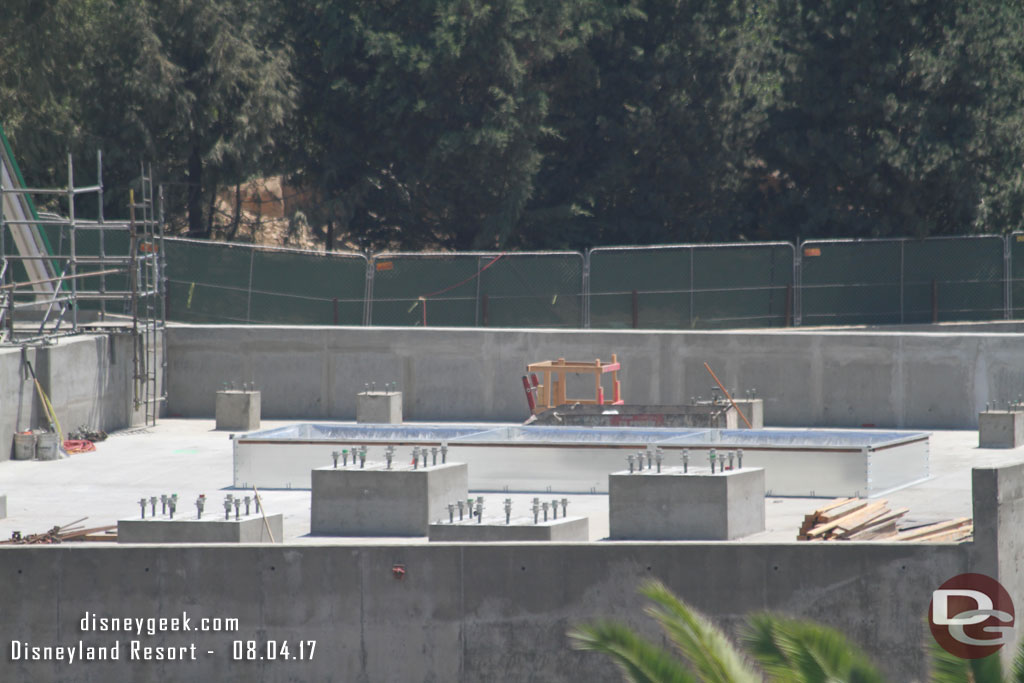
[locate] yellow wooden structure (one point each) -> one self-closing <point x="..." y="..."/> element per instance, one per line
<point x="550" y="390"/>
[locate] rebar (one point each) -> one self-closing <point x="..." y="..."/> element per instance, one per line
<point x="247" y="501"/>
<point x="629" y="459"/>
<point x="238" y="508"/>
<point x="163" y="503"/>
<point x="433" y="455"/>
<point x="142" y="504"/>
<point x="460" y="504"/>
<point x="508" y="510"/>
<point x="536" y="509"/>
<point x="554" y="508"/>
<point x="565" y="504"/>
<point x="451" y="513"/>
<point x="545" y="505"/>
<point x="335" y="455"/>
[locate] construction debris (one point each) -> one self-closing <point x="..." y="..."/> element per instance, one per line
<point x="86" y="433"/>
<point x="859" y="519"/>
<point x="61" y="534"/>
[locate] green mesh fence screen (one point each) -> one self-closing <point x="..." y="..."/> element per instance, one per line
<point x="1017" y="275"/>
<point x="437" y="290"/>
<point x="901" y="281"/>
<point x="850" y="283"/>
<point x="682" y="287"/>
<point x="649" y="286"/>
<point x="957" y="278"/>
<point x="113" y="243"/>
<point x="307" y="289"/>
<point x="672" y="287"/>
<point x="743" y="286"/>
<point x="531" y="290"/>
<point x="216" y="282"/>
<point x="207" y="283"/>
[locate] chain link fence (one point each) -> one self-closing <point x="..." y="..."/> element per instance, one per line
<point x="692" y="286"/>
<point x="214" y="282"/>
<point x="1015" y="283"/>
<point x="769" y="284"/>
<point x="894" y="281"/>
<point x="477" y="289"/>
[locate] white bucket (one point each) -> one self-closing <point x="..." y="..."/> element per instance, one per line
<point x="24" y="445"/>
<point x="46" y="446"/>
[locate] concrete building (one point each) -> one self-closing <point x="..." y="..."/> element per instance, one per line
<point x="375" y="609"/>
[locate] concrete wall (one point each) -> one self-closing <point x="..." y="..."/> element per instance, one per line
<point x="998" y="550"/>
<point x="87" y="378"/>
<point x="807" y="378"/>
<point x="480" y="612"/>
<point x="461" y="613"/>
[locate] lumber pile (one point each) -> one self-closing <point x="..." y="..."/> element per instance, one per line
<point x="859" y="519"/>
<point x="63" y="534"/>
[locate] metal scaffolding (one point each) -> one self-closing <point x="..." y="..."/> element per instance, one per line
<point x="109" y="275"/>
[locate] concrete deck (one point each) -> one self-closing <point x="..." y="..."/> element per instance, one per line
<point x="188" y="457"/>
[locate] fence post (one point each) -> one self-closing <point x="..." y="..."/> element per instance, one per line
<point x="248" y="298"/>
<point x="798" y="287"/>
<point x="789" y="305"/>
<point x="1008" y="277"/>
<point x="691" y="288"/>
<point x="368" y="291"/>
<point x="902" y="245"/>
<point x="585" y="307"/>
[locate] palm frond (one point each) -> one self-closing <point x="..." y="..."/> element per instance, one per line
<point x="1017" y="668"/>
<point x="805" y="652"/>
<point x="986" y="669"/>
<point x="639" y="660"/>
<point x="949" y="668"/>
<point x="713" y="655"/>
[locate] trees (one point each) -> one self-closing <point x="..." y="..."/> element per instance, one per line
<point x="782" y="649"/>
<point x="420" y="121"/>
<point x="891" y="118"/>
<point x="654" y="121"/>
<point x="198" y="87"/>
<point x="211" y="88"/>
<point x="526" y="124"/>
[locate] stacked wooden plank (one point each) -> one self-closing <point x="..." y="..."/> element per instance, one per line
<point x="859" y="519"/>
<point x="61" y="534"/>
